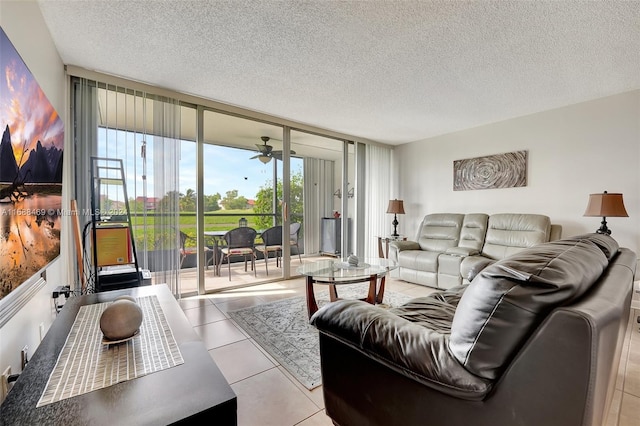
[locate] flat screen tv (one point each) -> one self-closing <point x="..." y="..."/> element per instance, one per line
<point x="30" y="182"/>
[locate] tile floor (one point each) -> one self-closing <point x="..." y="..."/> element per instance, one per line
<point x="269" y="395"/>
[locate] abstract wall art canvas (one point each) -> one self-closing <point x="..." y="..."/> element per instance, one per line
<point x="507" y="170"/>
<point x="30" y="174"/>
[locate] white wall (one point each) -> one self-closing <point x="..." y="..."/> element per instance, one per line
<point x="25" y="27"/>
<point x="572" y="152"/>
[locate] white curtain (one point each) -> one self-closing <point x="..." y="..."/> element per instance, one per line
<point x="318" y="199"/>
<point x="379" y="181"/>
<point x="143" y="131"/>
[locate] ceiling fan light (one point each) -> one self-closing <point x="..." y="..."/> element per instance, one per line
<point x="265" y="159"/>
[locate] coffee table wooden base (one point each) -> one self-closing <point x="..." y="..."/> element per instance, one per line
<point x="375" y="294"/>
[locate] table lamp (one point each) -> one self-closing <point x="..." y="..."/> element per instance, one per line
<point x="604" y="205"/>
<point x="396" y="207"/>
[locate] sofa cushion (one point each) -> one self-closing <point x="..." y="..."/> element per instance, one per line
<point x="510" y="297"/>
<point x="419" y="259"/>
<point x="474" y="229"/>
<point x="508" y="233"/>
<point x="407" y="347"/>
<point x="439" y="231"/>
<point x="434" y="311"/>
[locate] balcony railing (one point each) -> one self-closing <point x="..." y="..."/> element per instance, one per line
<point x="158" y="238"/>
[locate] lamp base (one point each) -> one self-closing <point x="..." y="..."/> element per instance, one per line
<point x="395" y="225"/>
<point x="603" y="227"/>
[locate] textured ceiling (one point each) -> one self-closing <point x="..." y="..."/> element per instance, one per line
<point x="390" y="71"/>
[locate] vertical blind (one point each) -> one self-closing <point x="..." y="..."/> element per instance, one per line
<point x="144" y="131"/>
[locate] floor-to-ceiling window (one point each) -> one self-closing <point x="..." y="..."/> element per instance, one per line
<point x="226" y="171"/>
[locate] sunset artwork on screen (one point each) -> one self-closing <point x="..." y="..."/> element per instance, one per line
<point x="30" y="173"/>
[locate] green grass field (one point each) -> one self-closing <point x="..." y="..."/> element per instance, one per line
<point x="222" y="220"/>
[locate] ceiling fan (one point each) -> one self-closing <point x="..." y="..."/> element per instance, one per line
<point x="266" y="152"/>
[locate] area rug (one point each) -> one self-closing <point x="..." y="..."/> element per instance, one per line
<point x="282" y="328"/>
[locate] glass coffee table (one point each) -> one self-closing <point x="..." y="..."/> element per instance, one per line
<point x="334" y="272"/>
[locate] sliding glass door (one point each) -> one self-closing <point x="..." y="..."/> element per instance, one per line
<point x="242" y="177"/>
<point x="328" y="185"/>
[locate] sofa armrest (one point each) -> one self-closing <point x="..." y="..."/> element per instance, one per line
<point x="472" y="265"/>
<point x="556" y="232"/>
<point x="404" y="245"/>
<point x="408" y="348"/>
<point x="462" y="251"/>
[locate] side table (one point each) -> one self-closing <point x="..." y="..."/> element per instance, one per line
<point x="384" y="253"/>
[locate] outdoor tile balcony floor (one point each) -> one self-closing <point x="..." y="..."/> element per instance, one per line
<point x="269" y="395"/>
<point x="239" y="277"/>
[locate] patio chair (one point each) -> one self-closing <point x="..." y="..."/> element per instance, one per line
<point x="240" y="242"/>
<point x="272" y="243"/>
<point x="294" y="231"/>
<point x="185" y="251"/>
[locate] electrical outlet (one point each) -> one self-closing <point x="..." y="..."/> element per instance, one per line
<point x="4" y="383"/>
<point x="24" y="357"/>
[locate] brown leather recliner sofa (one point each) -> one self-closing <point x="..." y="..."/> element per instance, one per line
<point x="535" y="339"/>
<point x="450" y="246"/>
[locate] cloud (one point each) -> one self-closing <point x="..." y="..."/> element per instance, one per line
<point x="9" y="76"/>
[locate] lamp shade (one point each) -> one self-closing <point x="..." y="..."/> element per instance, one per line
<point x="395" y="206"/>
<point x="606" y="205"/>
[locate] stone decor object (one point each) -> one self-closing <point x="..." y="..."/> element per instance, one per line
<point x="352" y="260"/>
<point x="127" y="297"/>
<point x="121" y="320"/>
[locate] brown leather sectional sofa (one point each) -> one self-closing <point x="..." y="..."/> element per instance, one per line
<point x="449" y="246"/>
<point x="534" y="339"/>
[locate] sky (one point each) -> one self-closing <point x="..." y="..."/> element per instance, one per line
<point x="225" y="169"/>
<point x="24" y="106"/>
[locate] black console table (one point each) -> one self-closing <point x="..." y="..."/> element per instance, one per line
<point x="194" y="392"/>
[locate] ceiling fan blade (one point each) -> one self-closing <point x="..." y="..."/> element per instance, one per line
<point x="255" y="156"/>
<point x="279" y="152"/>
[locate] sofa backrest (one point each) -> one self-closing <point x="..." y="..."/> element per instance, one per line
<point x="440" y="231"/>
<point x="578" y="348"/>
<point x="509" y="233"/>
<point x="508" y="299"/>
<point x="474" y="230"/>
